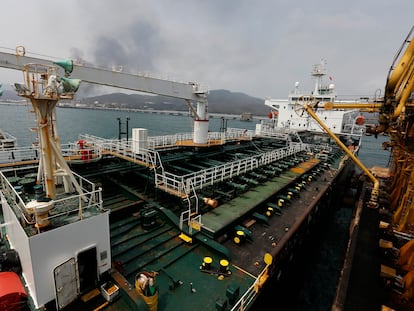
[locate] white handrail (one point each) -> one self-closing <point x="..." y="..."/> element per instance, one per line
<point x="226" y="171"/>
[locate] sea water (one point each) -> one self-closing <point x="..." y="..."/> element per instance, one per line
<point x="18" y="119"/>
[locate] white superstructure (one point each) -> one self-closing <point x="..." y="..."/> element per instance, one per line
<point x="288" y="113"/>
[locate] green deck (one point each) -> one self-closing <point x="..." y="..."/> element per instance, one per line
<point x="218" y="220"/>
<point x="181" y="283"/>
<point x="178" y="265"/>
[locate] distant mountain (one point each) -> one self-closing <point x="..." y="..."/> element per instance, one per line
<point x="219" y="101"/>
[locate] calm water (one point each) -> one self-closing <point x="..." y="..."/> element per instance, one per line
<point x="18" y="119"/>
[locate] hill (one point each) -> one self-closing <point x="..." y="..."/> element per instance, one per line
<point x="219" y="101"/>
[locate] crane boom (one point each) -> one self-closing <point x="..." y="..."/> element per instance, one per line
<point x="188" y="91"/>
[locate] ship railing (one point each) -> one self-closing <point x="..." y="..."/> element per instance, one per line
<point x="63" y="204"/>
<point x="354" y="129"/>
<point x="267" y="129"/>
<point x="73" y="153"/>
<point x="174" y="141"/>
<point x="274" y="134"/>
<point x="168" y="141"/>
<point x="91" y="197"/>
<point x="92" y="139"/>
<point x="128" y="148"/>
<point x="326" y="147"/>
<point x="7" y="138"/>
<point x="237" y="134"/>
<point x="125" y="149"/>
<point x="251" y="293"/>
<point x="174" y="183"/>
<point x="171" y="183"/>
<point x="18" y="155"/>
<point x="245" y="301"/>
<point x="14" y="198"/>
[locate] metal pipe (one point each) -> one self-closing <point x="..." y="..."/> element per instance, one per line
<point x="375" y="190"/>
<point x="399" y="70"/>
<point x="127" y="128"/>
<point x="46" y="153"/>
<point x="405" y="94"/>
<point x="370" y="106"/>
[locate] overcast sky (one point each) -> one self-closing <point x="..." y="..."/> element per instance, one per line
<point x="260" y="48"/>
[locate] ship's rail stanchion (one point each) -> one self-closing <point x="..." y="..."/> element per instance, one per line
<point x="90" y="197"/>
<point x="274" y="134"/>
<point x="168" y="141"/>
<point x="173" y="183"/>
<point x="123" y="149"/>
<point x="13" y="195"/>
<point x="170" y="183"/>
<point x="175" y="141"/>
<point x="267" y="129"/>
<point x="248" y="297"/>
<point x="18" y="156"/>
<point x="76" y="153"/>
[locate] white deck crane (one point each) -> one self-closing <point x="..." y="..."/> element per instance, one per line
<point x="47" y="81"/>
<point x="190" y="92"/>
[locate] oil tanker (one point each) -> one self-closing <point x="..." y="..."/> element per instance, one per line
<point x="189" y="221"/>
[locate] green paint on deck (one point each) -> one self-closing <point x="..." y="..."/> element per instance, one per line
<point x="225" y="215"/>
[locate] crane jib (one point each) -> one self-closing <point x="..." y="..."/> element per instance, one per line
<point x="115" y="78"/>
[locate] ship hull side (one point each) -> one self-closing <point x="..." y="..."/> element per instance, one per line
<point x="299" y="238"/>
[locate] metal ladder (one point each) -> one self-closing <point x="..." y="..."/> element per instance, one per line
<point x="191" y="215"/>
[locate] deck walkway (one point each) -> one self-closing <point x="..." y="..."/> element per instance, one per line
<point x="219" y="219"/>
